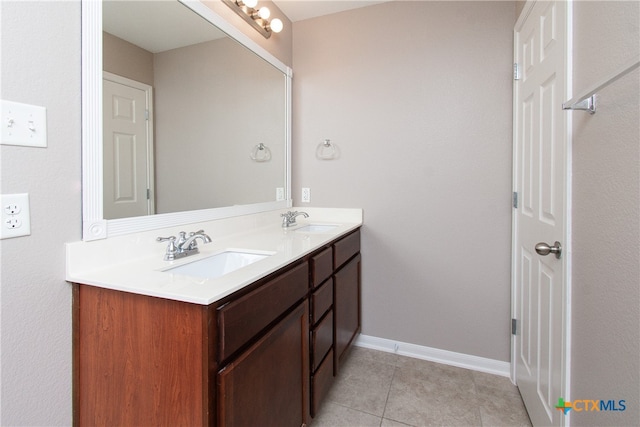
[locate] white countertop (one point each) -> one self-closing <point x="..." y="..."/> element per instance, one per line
<point x="134" y="263"/>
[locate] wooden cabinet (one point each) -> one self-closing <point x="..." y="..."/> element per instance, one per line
<point x="265" y="355"/>
<point x="266" y="384"/>
<point x="322" y="339"/>
<point x="244" y="360"/>
<point x="335" y="311"/>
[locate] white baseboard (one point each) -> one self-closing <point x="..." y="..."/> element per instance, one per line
<point x="452" y="358"/>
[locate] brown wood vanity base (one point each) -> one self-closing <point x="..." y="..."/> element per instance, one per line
<point x="265" y="355"/>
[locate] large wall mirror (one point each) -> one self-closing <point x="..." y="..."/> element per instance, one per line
<point x="185" y="118"/>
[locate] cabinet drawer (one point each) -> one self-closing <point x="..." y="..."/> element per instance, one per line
<point x="321" y="301"/>
<point x="321" y="266"/>
<point x="346" y="248"/>
<point x="244" y="317"/>
<point x="321" y="340"/>
<point x="321" y="383"/>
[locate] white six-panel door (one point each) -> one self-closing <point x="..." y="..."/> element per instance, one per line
<point x="128" y="148"/>
<point x="540" y="180"/>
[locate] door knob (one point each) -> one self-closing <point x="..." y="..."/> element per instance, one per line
<point x="544" y="249"/>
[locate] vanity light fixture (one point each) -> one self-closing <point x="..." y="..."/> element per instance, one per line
<point x="258" y="18"/>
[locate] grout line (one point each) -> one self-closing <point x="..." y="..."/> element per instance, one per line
<point x="386" y="400"/>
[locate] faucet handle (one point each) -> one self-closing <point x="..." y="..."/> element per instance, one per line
<point x="172" y="249"/>
<point x="181" y="239"/>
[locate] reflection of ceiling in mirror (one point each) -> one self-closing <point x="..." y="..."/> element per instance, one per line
<point x="156" y="26"/>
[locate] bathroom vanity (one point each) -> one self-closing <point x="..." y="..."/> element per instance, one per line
<point x="161" y="342"/>
<point x="262" y="348"/>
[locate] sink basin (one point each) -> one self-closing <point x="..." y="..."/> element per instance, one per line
<point x="316" y="228"/>
<point x="220" y="264"/>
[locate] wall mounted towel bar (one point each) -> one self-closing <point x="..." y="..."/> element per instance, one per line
<point x="587" y="101"/>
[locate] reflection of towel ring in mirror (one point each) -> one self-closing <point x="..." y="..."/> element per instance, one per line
<point x="327" y="150"/>
<point x="261" y="153"/>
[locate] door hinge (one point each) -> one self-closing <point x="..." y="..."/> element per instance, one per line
<point x="515" y="200"/>
<point x="516" y="71"/>
<point x="148" y="194"/>
<point x="146" y="114"/>
<point x="514" y="327"/>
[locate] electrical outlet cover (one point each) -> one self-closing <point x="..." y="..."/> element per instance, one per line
<point x="306" y="195"/>
<point x="15" y="216"/>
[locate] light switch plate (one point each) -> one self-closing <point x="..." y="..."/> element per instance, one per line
<point x="23" y="124"/>
<point x="16" y="220"/>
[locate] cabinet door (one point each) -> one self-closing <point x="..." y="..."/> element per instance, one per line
<point x="267" y="385"/>
<point x="346" y="307"/>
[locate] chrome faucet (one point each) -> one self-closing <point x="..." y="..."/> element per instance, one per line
<point x="289" y="218"/>
<point x="185" y="246"/>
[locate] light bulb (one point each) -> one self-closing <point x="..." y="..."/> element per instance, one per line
<point x="276" y="25"/>
<point x="264" y="13"/>
<point x="250" y="3"/>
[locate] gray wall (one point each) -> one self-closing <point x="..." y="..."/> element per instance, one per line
<point x="606" y="214"/>
<point x="418" y="97"/>
<point x="41" y="66"/>
<point x="126" y="59"/>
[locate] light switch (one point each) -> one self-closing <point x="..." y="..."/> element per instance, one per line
<point x="23" y="124"/>
<point x="15" y="215"/>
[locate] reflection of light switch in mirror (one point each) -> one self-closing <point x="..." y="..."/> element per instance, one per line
<point x="279" y="194"/>
<point x="23" y="124"/>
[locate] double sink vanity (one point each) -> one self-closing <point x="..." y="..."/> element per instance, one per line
<point x="251" y="330"/>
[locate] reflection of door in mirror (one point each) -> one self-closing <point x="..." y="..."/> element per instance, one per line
<point x="128" y="148"/>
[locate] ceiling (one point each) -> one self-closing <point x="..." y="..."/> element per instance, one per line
<point x="298" y="10"/>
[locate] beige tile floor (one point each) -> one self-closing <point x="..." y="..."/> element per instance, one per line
<point x="380" y="389"/>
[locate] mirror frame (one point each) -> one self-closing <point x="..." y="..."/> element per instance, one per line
<point x="94" y="226"/>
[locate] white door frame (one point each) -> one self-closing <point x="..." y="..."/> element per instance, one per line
<point x="148" y="90"/>
<point x="567" y="251"/>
